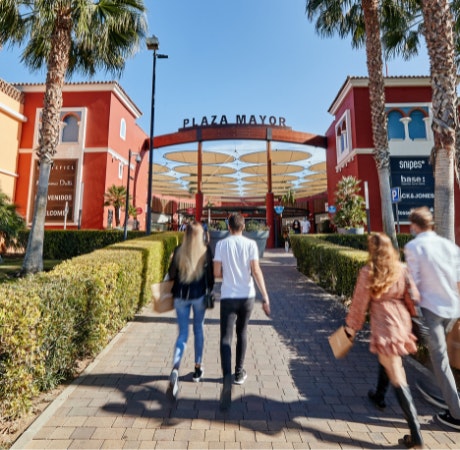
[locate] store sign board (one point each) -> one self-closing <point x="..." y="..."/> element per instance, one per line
<point x="61" y="190"/>
<point x="414" y="176"/>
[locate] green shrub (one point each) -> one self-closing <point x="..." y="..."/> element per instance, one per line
<point x="50" y="320"/>
<point x="333" y="267"/>
<point x="20" y="342"/>
<point x="65" y="244"/>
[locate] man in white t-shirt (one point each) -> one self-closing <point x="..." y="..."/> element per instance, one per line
<point x="236" y="261"/>
<point x="434" y="263"/>
<point x="305" y="225"/>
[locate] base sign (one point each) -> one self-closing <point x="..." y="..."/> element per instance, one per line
<point x="414" y="176"/>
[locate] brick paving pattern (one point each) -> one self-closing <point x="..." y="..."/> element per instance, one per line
<point x="296" y="396"/>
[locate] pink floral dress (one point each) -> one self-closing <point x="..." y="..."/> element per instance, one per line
<point x="390" y="315"/>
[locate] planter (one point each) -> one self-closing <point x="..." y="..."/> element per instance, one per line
<point x="359" y="230"/>
<point x="216" y="235"/>
<point x="260" y="237"/>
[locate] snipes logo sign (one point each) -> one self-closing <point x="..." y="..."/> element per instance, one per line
<point x="239" y="119"/>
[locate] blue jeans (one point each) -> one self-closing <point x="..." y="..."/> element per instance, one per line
<point x="183" y="308"/>
<point x="231" y="311"/>
<point x="437" y="348"/>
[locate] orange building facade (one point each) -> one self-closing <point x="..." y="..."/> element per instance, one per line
<point x="11" y="120"/>
<point x="98" y="128"/>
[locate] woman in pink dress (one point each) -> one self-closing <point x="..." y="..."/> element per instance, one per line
<point x="387" y="292"/>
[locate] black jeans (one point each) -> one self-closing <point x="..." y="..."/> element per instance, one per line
<point x="231" y="311"/>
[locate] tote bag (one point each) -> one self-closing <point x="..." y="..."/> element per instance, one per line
<point x="162" y="296"/>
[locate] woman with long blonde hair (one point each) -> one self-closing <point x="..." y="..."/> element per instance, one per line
<point x="386" y="290"/>
<point x="191" y="269"/>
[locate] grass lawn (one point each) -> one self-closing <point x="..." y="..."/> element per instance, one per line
<point x="11" y="265"/>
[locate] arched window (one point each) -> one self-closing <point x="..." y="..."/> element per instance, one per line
<point x="123" y="129"/>
<point x="417" y="129"/>
<point x="70" y="129"/>
<point x="395" y="126"/>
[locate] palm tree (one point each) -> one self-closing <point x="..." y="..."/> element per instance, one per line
<point x="11" y="223"/>
<point x="362" y="21"/>
<point x="116" y="197"/>
<point x="435" y="20"/>
<point x="438" y="32"/>
<point x="288" y="198"/>
<point x="66" y="36"/>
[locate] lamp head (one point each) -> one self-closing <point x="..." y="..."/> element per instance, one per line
<point x="138" y="158"/>
<point x="152" y="42"/>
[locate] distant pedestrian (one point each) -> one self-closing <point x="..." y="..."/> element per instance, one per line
<point x="191" y="269"/>
<point x="434" y="262"/>
<point x="296" y="227"/>
<point x="236" y="261"/>
<point x="382" y="290"/>
<point x="305" y="225"/>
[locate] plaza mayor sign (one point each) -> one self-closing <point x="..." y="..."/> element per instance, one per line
<point x="239" y="119"/>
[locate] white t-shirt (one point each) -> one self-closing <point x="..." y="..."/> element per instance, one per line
<point x="235" y="253"/>
<point x="305" y="224"/>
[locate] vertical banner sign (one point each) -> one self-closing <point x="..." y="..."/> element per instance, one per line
<point x="414" y="175"/>
<point x="60" y="206"/>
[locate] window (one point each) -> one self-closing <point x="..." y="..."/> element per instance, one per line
<point x="123" y="129"/>
<point x="395" y="125"/>
<point x="70" y="129"/>
<point x="343" y="136"/>
<point x="120" y="170"/>
<point x="417" y="129"/>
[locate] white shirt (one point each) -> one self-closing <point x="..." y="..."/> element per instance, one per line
<point x="235" y="253"/>
<point x="434" y="263"/>
<point x="305" y="224"/>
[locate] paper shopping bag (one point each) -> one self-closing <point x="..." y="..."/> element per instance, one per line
<point x="162" y="296"/>
<point x="340" y="343"/>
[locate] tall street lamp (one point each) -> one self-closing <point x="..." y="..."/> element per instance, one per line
<point x="152" y="44"/>
<point x="138" y="160"/>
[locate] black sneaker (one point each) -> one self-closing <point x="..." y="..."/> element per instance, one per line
<point x="226" y="395"/>
<point x="173" y="387"/>
<point x="197" y="374"/>
<point x="431" y="398"/>
<point x="446" y="419"/>
<point x="240" y="376"/>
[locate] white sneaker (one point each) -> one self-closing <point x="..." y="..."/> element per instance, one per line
<point x="173" y="387"/>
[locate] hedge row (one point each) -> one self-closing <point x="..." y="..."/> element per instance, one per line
<point x="51" y="320"/>
<point x="333" y="260"/>
<point x="65" y="244"/>
<point x="330" y="265"/>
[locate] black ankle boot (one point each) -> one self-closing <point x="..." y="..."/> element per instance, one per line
<point x="410" y="414"/>
<point x="377" y="397"/>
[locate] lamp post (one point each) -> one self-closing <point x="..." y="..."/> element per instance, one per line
<point x="152" y="44"/>
<point x="138" y="160"/>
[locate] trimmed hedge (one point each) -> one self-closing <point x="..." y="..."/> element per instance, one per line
<point x="65" y="244"/>
<point x="332" y="266"/>
<point x="50" y="320"/>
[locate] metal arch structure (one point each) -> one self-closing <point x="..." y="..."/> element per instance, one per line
<point x="269" y="134"/>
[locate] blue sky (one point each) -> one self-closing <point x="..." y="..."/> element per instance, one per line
<point x="238" y="57"/>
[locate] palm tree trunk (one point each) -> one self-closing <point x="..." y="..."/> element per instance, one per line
<point x="48" y="140"/>
<point x="378" y="116"/>
<point x="441" y="50"/>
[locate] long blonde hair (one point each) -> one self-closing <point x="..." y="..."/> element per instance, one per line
<point x="191" y="254"/>
<point x="383" y="262"/>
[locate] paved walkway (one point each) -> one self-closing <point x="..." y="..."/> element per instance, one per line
<point x="297" y="396"/>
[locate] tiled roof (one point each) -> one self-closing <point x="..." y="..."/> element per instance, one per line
<point x="11" y="91"/>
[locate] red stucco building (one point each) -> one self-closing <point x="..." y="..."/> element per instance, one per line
<point x="98" y="128"/>
<point x="350" y="145"/>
